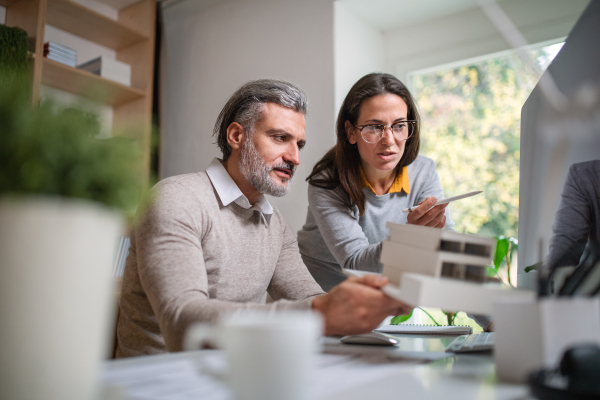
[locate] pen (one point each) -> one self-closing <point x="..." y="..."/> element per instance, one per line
<point x="444" y="201"/>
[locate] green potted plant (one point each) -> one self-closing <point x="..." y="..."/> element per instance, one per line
<point x="62" y="198"/>
<point x="13" y="49"/>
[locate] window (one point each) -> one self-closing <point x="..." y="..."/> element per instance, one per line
<point x="470" y="127"/>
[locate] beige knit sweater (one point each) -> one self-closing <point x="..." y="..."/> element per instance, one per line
<point x="192" y="259"/>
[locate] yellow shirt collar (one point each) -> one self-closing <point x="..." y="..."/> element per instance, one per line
<point x="400" y="183"/>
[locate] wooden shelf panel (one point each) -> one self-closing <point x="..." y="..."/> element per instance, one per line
<point x="118" y="4"/>
<point x="7" y="3"/>
<point x="88" y="24"/>
<point x="86" y="84"/>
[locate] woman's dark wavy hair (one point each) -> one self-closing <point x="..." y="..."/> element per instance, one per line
<point x="341" y="164"/>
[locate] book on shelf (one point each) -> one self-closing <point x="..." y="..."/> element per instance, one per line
<point x="58" y="48"/>
<point x="59" y="53"/>
<point x="110" y="69"/>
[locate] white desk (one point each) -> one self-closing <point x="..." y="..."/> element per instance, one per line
<point x="352" y="372"/>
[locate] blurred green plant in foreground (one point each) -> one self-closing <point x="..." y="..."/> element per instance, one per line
<point x="53" y="152"/>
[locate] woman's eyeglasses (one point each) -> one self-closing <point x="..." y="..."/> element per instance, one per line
<point x="372" y="133"/>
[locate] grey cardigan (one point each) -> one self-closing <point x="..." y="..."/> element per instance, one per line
<point x="335" y="236"/>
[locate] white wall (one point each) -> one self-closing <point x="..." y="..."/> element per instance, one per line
<point x="470" y="34"/>
<point x="215" y="47"/>
<point x="358" y="49"/>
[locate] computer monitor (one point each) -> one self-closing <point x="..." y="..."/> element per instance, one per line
<point x="553" y="140"/>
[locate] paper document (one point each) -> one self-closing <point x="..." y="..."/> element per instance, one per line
<point x="181" y="378"/>
<point x="447" y="200"/>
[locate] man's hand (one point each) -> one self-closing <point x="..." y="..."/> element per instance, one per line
<point x="357" y="305"/>
<point x="425" y="216"/>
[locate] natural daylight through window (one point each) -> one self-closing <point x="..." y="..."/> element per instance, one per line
<point x="471" y="116"/>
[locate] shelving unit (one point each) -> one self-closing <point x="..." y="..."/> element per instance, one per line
<point x="90" y="25"/>
<point x="132" y="36"/>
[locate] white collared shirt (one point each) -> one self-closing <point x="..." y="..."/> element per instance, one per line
<point x="229" y="192"/>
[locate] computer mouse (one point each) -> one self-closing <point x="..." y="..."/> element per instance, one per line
<point x="372" y="338"/>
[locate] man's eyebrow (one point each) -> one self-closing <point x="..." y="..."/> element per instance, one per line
<point x="278" y="131"/>
<point x="288" y="135"/>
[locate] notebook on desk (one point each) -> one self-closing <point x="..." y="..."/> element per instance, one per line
<point x="426" y="329"/>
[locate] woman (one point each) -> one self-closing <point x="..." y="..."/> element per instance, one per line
<point x="367" y="179"/>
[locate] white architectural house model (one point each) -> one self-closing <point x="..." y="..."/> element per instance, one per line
<point x="431" y="267"/>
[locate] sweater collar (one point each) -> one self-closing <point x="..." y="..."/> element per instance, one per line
<point x="229" y="192"/>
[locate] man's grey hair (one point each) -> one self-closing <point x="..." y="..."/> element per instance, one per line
<point x="245" y="107"/>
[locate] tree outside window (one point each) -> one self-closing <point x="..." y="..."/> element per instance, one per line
<point x="471" y="118"/>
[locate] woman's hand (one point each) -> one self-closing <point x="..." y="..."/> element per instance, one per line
<point x="426" y="216"/>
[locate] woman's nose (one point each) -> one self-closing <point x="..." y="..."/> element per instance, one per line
<point x="388" y="135"/>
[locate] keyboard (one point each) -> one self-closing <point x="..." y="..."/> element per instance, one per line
<point x="471" y="343"/>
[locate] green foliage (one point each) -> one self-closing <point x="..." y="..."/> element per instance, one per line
<point x="435" y="315"/>
<point x="13" y="48"/>
<point x="450" y="317"/>
<point x="398" y="319"/>
<point x="50" y="152"/>
<point x="470" y="128"/>
<point x="533" y="267"/>
<point x="501" y="251"/>
<point x="459" y="318"/>
<point x="430" y="316"/>
<point x="505" y="249"/>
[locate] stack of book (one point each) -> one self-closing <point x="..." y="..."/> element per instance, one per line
<point x="59" y="53"/>
<point x="110" y="69"/>
<point x="435" y="252"/>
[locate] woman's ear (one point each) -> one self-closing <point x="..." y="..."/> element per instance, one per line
<point x="235" y="135"/>
<point x="350" y="132"/>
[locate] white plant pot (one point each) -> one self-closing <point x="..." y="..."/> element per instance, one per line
<point x="56" y="308"/>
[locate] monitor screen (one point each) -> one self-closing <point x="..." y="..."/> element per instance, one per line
<point x="553" y="139"/>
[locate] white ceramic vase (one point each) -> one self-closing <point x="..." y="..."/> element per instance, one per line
<point x="56" y="308"/>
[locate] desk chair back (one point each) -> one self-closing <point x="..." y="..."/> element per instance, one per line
<point x="118" y="268"/>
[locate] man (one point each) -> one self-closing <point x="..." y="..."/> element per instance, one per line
<point x="210" y="243"/>
<point x="577" y="222"/>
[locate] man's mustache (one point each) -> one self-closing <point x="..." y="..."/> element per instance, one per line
<point x="285" y="165"/>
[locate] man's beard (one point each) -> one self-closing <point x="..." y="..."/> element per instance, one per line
<point x="258" y="173"/>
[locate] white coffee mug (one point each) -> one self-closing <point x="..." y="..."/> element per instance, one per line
<point x="270" y="355"/>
